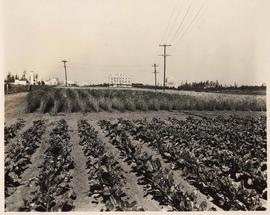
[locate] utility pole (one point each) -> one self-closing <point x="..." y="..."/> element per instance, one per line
<point x="164" y="59"/>
<point x="155" y="72"/>
<point x="65" y="67"/>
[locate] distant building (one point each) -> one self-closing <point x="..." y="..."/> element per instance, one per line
<point x="20" y="82"/>
<point x="71" y="83"/>
<point x="52" y="82"/>
<point x="137" y="84"/>
<point x="83" y="84"/>
<point x="171" y="82"/>
<point x="33" y="78"/>
<point x="119" y="80"/>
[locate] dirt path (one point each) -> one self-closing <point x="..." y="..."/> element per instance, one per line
<point x="15" y="201"/>
<point x="133" y="189"/>
<point x="80" y="178"/>
<point x="15" y="105"/>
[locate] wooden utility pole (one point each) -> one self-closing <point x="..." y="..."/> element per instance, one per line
<point x="155" y="72"/>
<point x="65" y="67"/>
<point x="164" y="59"/>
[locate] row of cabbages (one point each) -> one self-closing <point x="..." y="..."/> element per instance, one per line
<point x="53" y="191"/>
<point x="18" y="158"/>
<point x="106" y="179"/>
<point x="224" y="157"/>
<point x="157" y="181"/>
<point x="11" y="131"/>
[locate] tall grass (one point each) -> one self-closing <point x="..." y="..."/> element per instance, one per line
<point x="59" y="101"/>
<point x="95" y="100"/>
<point x="47" y="102"/>
<point x="105" y="104"/>
<point x="118" y="104"/>
<point x="81" y="97"/>
<point x="33" y="100"/>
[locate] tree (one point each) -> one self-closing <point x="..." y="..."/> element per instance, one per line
<point x="23" y="78"/>
<point x="10" y="78"/>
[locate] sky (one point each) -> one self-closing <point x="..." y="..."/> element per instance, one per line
<point x="224" y="40"/>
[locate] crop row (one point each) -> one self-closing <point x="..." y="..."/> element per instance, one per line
<point x="57" y="100"/>
<point x="209" y="154"/>
<point x="157" y="181"/>
<point x="106" y="179"/>
<point x="53" y="191"/>
<point x="19" y="156"/>
<point x="11" y="131"/>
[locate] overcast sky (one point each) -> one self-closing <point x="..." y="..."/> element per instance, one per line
<point x="227" y="41"/>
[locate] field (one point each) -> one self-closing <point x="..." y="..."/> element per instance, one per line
<point x="57" y="100"/>
<point x="115" y="150"/>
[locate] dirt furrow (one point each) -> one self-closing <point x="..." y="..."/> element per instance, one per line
<point x="177" y="175"/>
<point x="16" y="200"/>
<point x="80" y="178"/>
<point x="133" y="189"/>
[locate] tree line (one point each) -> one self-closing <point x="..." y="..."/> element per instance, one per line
<point x="10" y="78"/>
<point x="216" y="86"/>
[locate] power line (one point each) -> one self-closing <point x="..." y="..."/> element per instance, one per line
<point x="175" y="20"/>
<point x="155" y="72"/>
<point x="164" y="60"/>
<point x="106" y="66"/>
<point x="179" y="29"/>
<point x="168" y="25"/>
<point x="190" y="25"/>
<point x="109" y="70"/>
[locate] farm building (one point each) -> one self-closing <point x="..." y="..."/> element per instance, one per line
<point x="20" y="82"/>
<point x="52" y="82"/>
<point x="119" y="80"/>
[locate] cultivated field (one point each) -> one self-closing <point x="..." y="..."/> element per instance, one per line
<point x="103" y="150"/>
<point x="57" y="100"/>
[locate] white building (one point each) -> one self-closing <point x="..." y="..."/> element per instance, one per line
<point x="71" y="83"/>
<point x="119" y="80"/>
<point x="19" y="82"/>
<point x="52" y="82"/>
<point x="84" y="83"/>
<point x="33" y="78"/>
